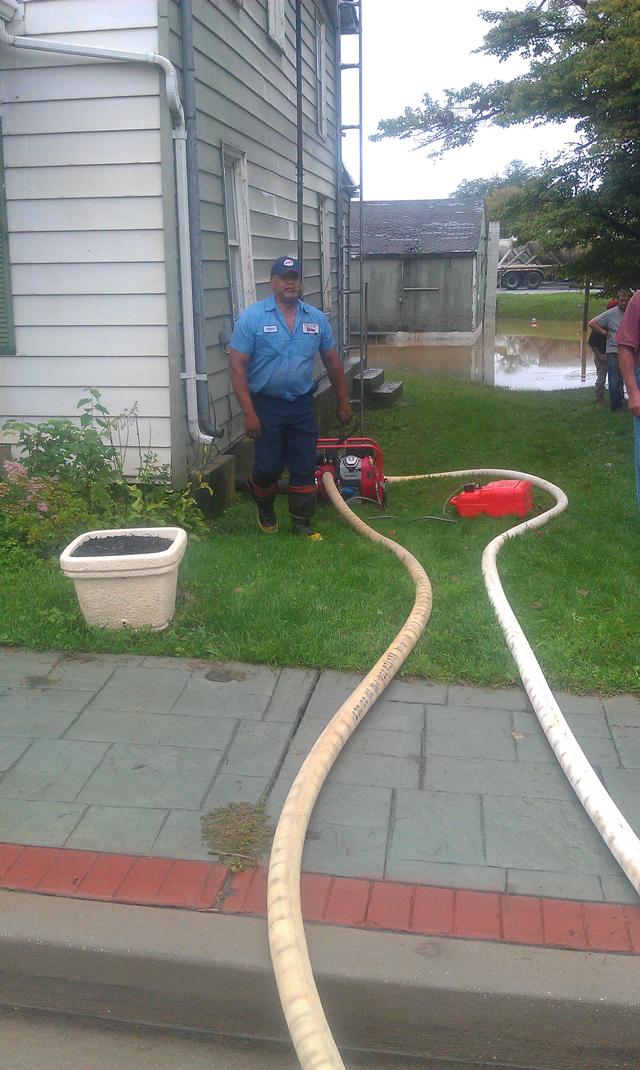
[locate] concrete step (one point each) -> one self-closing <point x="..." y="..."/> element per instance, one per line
<point x="386" y="394"/>
<point x="372" y="378"/>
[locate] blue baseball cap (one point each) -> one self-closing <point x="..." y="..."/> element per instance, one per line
<point x="284" y="264"/>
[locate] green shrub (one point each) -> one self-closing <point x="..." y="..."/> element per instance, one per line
<point x="40" y="512"/>
<point x="71" y="478"/>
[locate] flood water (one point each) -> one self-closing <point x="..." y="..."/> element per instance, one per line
<point x="526" y="357"/>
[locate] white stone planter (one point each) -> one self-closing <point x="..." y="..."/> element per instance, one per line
<point x="135" y="590"/>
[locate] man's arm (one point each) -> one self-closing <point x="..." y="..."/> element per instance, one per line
<point x="626" y="364"/>
<point x="331" y="361"/>
<point x="238" y="374"/>
<point x="597" y="327"/>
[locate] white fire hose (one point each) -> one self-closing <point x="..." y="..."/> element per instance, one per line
<point x="310" y="1033"/>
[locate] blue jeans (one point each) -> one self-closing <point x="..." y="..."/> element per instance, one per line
<point x="636" y="436"/>
<point x="616" y="385"/>
<point x="287" y="440"/>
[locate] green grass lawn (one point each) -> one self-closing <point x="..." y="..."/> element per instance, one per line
<point x="338" y="603"/>
<point x="536" y="304"/>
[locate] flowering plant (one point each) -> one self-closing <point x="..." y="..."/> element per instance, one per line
<point x="38" y="511"/>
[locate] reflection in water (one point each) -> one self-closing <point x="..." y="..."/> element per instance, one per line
<point x="524" y="359"/>
<point x="540" y="363"/>
<point x="460" y="362"/>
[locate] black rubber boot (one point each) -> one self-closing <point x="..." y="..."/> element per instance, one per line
<point x="264" y="498"/>
<point x="302" y="506"/>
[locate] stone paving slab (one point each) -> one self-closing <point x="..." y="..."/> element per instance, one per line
<point x="141" y="688"/>
<point x="121" y="726"/>
<point x="441" y="784"/>
<point x="45" y="824"/>
<point x="53" y="769"/>
<point x="129" y="829"/>
<point x="132" y="775"/>
<point x="538" y="834"/>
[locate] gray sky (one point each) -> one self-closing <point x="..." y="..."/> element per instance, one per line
<point x="415" y="46"/>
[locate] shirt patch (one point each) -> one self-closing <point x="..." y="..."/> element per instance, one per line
<point x="311" y="328"/>
<point x="270" y="328"/>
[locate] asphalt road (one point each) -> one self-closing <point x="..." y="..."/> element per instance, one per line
<point x="35" y="1040"/>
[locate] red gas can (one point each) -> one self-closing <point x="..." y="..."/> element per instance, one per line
<point x="505" y="497"/>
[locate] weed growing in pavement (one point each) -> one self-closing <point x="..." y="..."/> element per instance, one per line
<point x="237" y="834"/>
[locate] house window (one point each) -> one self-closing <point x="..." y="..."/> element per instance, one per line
<point x="276" y="21"/>
<point x="7" y="339"/>
<point x="321" y="74"/>
<point x="236" y="201"/>
<point x="325" y="256"/>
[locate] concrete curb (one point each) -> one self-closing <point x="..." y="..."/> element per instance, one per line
<point x="425" y="996"/>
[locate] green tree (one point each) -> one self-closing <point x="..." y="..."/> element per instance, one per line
<point x="583" y="65"/>
<point x="497" y="190"/>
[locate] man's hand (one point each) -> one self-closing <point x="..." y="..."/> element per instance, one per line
<point x="633" y="405"/>
<point x="252" y="427"/>
<point x="345" y="415"/>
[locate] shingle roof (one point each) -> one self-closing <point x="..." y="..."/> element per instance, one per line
<point x="419" y="227"/>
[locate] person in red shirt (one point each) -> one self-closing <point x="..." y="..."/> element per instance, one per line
<point x="628" y="340"/>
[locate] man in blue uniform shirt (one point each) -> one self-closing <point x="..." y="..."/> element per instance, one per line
<point x="271" y="355"/>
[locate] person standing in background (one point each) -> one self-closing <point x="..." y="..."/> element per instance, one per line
<point x="628" y="339"/>
<point x="607" y="324"/>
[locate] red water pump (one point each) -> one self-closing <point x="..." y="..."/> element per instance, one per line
<point x="356" y="467"/>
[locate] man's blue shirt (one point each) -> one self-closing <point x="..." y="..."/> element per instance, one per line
<point x="281" y="362"/>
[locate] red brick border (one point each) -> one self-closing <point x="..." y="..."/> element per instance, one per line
<point x="356" y="902"/>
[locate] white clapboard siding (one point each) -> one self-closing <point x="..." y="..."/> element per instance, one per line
<point x="95" y="246"/>
<point x="92" y="310"/>
<point x="73" y="116"/>
<point x="83" y="341"/>
<point x="88" y="279"/>
<point x="77" y="82"/>
<point x="83" y="155"/>
<point x="58" y="16"/>
<point x="107" y="180"/>
<point x="120" y="213"/>
<point x="152" y="402"/>
<point x="137" y="372"/>
<point x="111" y="146"/>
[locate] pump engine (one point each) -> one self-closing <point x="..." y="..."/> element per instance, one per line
<point x="355" y="465"/>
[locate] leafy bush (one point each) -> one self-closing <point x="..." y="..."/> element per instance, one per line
<point x="71" y="478"/>
<point x="39" y="512"/>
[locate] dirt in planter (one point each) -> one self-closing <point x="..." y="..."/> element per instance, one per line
<point x="120" y="545"/>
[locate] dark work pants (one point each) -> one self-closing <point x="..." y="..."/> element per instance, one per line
<point x="616" y="384"/>
<point x="287" y="440"/>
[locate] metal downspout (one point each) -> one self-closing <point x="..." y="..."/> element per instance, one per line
<point x="299" y="145"/>
<point x="179" y="141"/>
<point x="195" y="230"/>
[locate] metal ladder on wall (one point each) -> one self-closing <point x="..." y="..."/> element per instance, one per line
<point x="349" y="231"/>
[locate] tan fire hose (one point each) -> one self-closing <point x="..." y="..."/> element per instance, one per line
<point x="306" y="1021"/>
<point x="307" y="1024"/>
